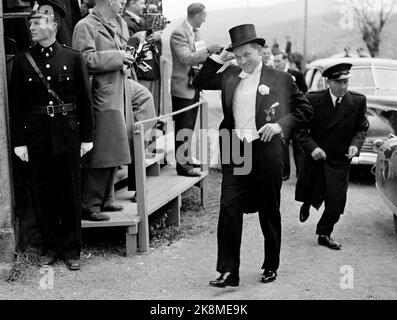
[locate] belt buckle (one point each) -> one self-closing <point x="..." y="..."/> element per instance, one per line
<point x="50" y="111"/>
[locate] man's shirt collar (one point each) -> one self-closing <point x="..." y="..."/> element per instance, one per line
<point x="258" y="69"/>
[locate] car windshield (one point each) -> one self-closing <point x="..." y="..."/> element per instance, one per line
<point x="364" y="78"/>
<point x="361" y="77"/>
<point x="386" y="78"/>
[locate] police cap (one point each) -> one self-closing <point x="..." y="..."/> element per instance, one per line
<point x="54" y="9"/>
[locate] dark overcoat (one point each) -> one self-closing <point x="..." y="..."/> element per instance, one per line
<point x="334" y="131"/>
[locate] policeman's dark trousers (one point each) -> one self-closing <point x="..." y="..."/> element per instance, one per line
<point x="56" y="195"/>
<point x="97" y="188"/>
<point x="336" y="179"/>
<point x="184" y="124"/>
<point x="261" y="185"/>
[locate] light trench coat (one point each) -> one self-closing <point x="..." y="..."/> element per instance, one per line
<point x="99" y="45"/>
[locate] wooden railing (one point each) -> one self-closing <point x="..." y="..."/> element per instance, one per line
<point x="165" y="187"/>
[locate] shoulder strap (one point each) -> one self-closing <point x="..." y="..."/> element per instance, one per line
<point x="43" y="79"/>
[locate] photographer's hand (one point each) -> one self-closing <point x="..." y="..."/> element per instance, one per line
<point x="127" y="57"/>
<point x="157" y="35"/>
<point x="214" y="48"/>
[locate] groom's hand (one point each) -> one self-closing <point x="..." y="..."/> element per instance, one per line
<point x="269" y="130"/>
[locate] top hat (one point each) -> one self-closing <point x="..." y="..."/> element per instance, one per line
<point x="48" y="8"/>
<point x="244" y="34"/>
<point x="340" y="71"/>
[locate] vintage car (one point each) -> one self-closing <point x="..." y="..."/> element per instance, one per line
<point x="386" y="173"/>
<point x="377" y="80"/>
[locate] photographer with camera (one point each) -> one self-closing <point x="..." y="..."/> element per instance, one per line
<point x="147" y="44"/>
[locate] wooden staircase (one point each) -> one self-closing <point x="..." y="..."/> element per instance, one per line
<point x="157" y="186"/>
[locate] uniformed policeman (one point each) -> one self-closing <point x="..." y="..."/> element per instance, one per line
<point x="51" y="125"/>
<point x="336" y="135"/>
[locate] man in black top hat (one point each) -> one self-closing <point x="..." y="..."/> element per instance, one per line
<point x="51" y="126"/>
<point x="261" y="106"/>
<point x="336" y="135"/>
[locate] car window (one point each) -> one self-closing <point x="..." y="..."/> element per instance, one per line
<point x="318" y="81"/>
<point x="386" y="78"/>
<point x="361" y="77"/>
<point x="309" y="77"/>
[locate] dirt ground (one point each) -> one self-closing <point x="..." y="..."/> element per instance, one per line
<point x="180" y="266"/>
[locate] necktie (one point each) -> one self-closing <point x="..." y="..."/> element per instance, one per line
<point x="337" y="103"/>
<point x="195" y="31"/>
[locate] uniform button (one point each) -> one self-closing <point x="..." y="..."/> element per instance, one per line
<point x="47" y="66"/>
<point x="30" y="79"/>
<point x="47" y="55"/>
<point x="49" y="78"/>
<point x="50" y="103"/>
<point x="65" y="68"/>
<point x="67" y="78"/>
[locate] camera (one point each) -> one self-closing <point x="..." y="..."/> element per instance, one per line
<point x="154" y="16"/>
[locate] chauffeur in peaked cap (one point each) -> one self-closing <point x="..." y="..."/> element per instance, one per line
<point x="51" y="126"/>
<point x="335" y="135"/>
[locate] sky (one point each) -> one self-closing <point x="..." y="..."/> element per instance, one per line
<point x="177" y="8"/>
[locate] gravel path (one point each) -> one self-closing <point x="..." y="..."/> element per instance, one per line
<point x="182" y="269"/>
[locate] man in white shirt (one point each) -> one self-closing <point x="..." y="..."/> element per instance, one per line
<point x="261" y="107"/>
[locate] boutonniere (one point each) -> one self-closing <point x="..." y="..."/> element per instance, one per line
<point x="271" y="112"/>
<point x="264" y="90"/>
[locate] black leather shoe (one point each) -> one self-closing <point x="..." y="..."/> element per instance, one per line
<point x="73" y="264"/>
<point x="304" y="212"/>
<point x="112" y="208"/>
<point x="46" y="260"/>
<point x="269" y="276"/>
<point x="226" y="279"/>
<point x="328" y="242"/>
<point x="95" y="216"/>
<point x="188" y="173"/>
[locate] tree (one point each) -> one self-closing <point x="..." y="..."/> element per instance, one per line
<point x="371" y="17"/>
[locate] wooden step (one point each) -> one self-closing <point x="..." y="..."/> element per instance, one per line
<point x="166" y="187"/>
<point x="128" y="219"/>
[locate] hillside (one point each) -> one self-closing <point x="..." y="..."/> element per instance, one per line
<point x="325" y="36"/>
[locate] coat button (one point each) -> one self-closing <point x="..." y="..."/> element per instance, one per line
<point x="65" y="68"/>
<point x="47" y="66"/>
<point x="30" y="79"/>
<point x="47" y="55"/>
<point x="49" y="78"/>
<point x="67" y="78"/>
<point x="50" y="103"/>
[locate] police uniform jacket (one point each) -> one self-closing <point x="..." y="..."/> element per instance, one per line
<point x="100" y="46"/>
<point x="67" y="75"/>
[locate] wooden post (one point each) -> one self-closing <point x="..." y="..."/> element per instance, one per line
<point x="141" y="194"/>
<point x="7" y="241"/>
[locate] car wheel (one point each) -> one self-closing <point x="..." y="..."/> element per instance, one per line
<point x="395" y="222"/>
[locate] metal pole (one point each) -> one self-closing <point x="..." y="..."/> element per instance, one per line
<point x="7" y="241"/>
<point x="305" y="36"/>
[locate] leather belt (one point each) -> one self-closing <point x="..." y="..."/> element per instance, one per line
<point x="52" y="110"/>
